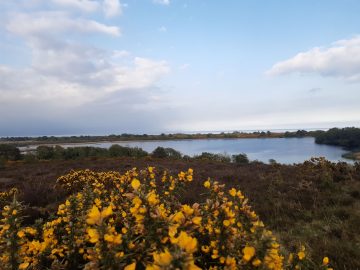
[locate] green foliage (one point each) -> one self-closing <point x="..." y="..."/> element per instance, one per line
<point x="240" y="158"/>
<point x="297" y="134"/>
<point x="161" y="152"/>
<point x="9" y="152"/>
<point x="272" y="161"/>
<point x="214" y="157"/>
<point x="29" y="157"/>
<point x="124" y="151"/>
<point x="346" y="137"/>
<point x="45" y="152"/>
<point x="84" y="152"/>
<point x="73" y="153"/>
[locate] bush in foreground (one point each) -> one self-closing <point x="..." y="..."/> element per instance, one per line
<point x="135" y="221"/>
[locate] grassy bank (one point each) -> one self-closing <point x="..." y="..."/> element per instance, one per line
<point x="316" y="203"/>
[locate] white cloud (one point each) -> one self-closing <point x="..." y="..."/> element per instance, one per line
<point x="63" y="69"/>
<point x="162" y="2"/>
<point x="341" y="59"/>
<point x="55" y="22"/>
<point x="143" y="74"/>
<point x="70" y="80"/>
<point x="120" y="54"/>
<point x="112" y="8"/>
<point x="83" y="5"/>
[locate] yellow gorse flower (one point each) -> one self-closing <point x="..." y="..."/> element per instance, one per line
<point x="93" y="235"/>
<point x="96" y="217"/>
<point x="135" y="184"/>
<point x="163" y="258"/>
<point x="248" y="252"/>
<point x="186" y="242"/>
<point x="207" y="184"/>
<point x="130" y="266"/>
<point x="129" y="221"/>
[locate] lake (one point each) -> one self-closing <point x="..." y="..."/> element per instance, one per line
<point x="283" y="150"/>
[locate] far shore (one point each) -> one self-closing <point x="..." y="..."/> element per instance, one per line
<point x="54" y="140"/>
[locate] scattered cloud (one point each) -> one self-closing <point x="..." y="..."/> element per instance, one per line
<point x="112" y="8"/>
<point x="341" y="60"/>
<point x="64" y="69"/>
<point x="84" y="83"/>
<point x="162" y="29"/>
<point x="120" y="54"/>
<point x="50" y="23"/>
<point x="83" y="5"/>
<point x="162" y="2"/>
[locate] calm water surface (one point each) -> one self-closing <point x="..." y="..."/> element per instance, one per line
<point x="283" y="150"/>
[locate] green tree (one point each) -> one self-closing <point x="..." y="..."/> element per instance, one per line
<point x="159" y="152"/>
<point x="240" y="158"/>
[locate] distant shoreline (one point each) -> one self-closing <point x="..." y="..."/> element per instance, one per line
<point x="53" y="140"/>
<point x="74" y="141"/>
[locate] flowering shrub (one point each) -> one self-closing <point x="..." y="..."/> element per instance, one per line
<point x="136" y="221"/>
<point x="6" y="196"/>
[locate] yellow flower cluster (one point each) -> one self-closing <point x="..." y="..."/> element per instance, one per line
<point x="7" y="196"/>
<point x="135" y="221"/>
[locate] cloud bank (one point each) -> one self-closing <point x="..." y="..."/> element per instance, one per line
<point x="110" y="8"/>
<point x="340" y="60"/>
<point x="69" y="82"/>
<point x="66" y="69"/>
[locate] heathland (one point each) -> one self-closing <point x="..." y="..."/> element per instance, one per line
<point x="87" y="207"/>
<point x="314" y="203"/>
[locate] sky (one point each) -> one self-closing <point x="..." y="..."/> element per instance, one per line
<point x="98" y="67"/>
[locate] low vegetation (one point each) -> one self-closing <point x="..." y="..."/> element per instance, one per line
<point x="57" y="152"/>
<point x="314" y="203"/>
<point x="136" y="220"/>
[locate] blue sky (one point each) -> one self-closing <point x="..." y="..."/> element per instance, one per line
<point x="146" y="66"/>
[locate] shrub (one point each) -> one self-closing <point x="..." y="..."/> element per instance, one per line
<point x="9" y="152"/>
<point x="240" y="158"/>
<point x="114" y="221"/>
<point x="29" y="157"/>
<point x="45" y="152"/>
<point x="214" y="157"/>
<point x="161" y="152"/>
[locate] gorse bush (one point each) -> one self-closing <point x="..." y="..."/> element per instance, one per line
<point x="136" y="221"/>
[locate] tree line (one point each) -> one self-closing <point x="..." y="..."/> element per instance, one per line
<point x="162" y="136"/>
<point x="348" y="137"/>
<point x="43" y="152"/>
